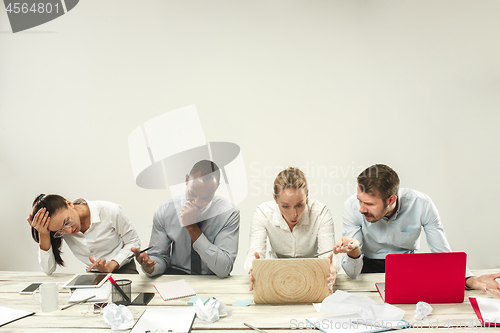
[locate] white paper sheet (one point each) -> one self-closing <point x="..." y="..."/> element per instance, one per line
<point x="101" y="294"/>
<point x="8" y="315"/>
<point x="490" y="309"/>
<point x="178" y="319"/>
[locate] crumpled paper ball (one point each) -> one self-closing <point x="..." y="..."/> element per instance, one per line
<point x="212" y="311"/>
<point x="423" y="310"/>
<point x="118" y="317"/>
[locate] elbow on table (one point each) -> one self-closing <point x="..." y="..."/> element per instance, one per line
<point x="224" y="271"/>
<point x="353" y="274"/>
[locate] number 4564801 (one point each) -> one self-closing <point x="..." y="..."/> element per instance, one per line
<point x="36" y="8"/>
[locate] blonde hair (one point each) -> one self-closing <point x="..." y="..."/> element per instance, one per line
<point x="291" y="177"/>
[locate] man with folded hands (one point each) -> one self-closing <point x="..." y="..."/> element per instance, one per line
<point x="195" y="233"/>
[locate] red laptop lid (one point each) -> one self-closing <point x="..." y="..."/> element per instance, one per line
<point x="427" y="277"/>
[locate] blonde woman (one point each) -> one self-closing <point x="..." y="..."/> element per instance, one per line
<point x="296" y="226"/>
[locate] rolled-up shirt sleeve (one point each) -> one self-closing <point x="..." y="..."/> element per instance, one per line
<point x="219" y="256"/>
<point x="47" y="261"/>
<point x="352" y="266"/>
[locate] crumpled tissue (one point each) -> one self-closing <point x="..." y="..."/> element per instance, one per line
<point x="344" y="302"/>
<point x="118" y="317"/>
<point x="211" y="311"/>
<point x="423" y="310"/>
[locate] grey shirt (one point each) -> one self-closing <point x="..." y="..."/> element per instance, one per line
<point x="217" y="246"/>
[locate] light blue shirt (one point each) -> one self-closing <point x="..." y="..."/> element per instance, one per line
<point x="398" y="234"/>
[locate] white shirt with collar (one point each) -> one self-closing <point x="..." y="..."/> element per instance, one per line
<point x="312" y="234"/>
<point x="110" y="236"/>
<point x="398" y="234"/>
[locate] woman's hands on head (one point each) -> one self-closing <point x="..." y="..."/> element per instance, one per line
<point x="40" y="221"/>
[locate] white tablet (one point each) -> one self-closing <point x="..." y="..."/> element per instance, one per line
<point x="90" y="280"/>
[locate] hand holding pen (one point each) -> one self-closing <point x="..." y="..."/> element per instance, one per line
<point x="347" y="245"/>
<point x="143" y="259"/>
<point x="135" y="251"/>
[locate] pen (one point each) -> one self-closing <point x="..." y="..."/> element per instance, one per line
<point x="113" y="282"/>
<point x="132" y="254"/>
<point x="82" y="301"/>
<point x="254" y="328"/>
<point x="320" y="254"/>
<point x="340" y="247"/>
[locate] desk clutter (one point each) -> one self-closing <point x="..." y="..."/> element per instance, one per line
<point x="223" y="304"/>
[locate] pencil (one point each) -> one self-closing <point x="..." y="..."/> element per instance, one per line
<point x="254" y="328"/>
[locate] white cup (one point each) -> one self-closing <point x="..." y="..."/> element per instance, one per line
<point x="49" y="296"/>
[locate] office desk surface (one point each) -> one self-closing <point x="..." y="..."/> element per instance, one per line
<point x="272" y="318"/>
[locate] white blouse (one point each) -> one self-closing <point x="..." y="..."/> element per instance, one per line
<point x="110" y="236"/>
<point x="312" y="234"/>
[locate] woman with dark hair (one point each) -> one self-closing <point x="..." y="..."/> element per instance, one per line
<point x="97" y="232"/>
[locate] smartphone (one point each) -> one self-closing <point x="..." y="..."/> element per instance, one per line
<point x="143" y="299"/>
<point x="30" y="289"/>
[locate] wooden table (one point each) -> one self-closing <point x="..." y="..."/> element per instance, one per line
<point x="272" y="318"/>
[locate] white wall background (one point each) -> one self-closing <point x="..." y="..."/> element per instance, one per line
<point x="323" y="85"/>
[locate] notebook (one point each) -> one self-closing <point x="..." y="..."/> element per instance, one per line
<point x="174" y="290"/>
<point x="298" y="280"/>
<point x="428" y="277"/>
<point x="171" y="319"/>
<point x="8" y="315"/>
<point x="486" y="310"/>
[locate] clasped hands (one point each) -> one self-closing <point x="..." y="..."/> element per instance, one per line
<point x="189" y="215"/>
